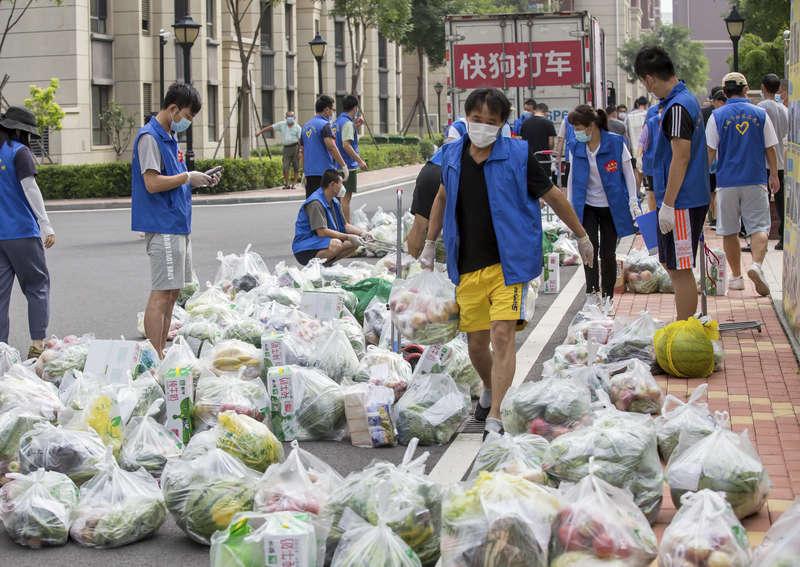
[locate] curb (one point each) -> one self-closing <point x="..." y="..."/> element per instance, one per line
<point x="238" y="198"/>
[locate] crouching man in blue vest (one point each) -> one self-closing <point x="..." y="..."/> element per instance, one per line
<point x="321" y="230"/>
<point x="489" y="205"/>
<point x="161" y="205"/>
<point x="680" y="173"/>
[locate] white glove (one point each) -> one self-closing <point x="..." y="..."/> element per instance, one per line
<point x="666" y="218"/>
<point x="636" y="211"/>
<point x="355" y="239"/>
<point x="345" y="173"/>
<point x="216" y="178"/>
<point x="428" y="255"/>
<point x="586" y="250"/>
<point x="199" y="179"/>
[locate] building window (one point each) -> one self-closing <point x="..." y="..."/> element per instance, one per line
<point x="316" y="26"/>
<point x="397" y="51"/>
<point x="290" y="99"/>
<point x="146" y="17"/>
<point x="101" y="94"/>
<point x="213" y="119"/>
<point x="147" y="99"/>
<point x="384" y="115"/>
<point x="268" y="71"/>
<point x="181" y="8"/>
<point x="382" y="49"/>
<point x="340" y="103"/>
<point x="267" y="106"/>
<point x="98" y="14"/>
<point x="338" y="35"/>
<point x="289" y="27"/>
<point x="266" y="25"/>
<point x="211" y="19"/>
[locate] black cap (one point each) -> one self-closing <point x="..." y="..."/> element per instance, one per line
<point x="19" y="118"/>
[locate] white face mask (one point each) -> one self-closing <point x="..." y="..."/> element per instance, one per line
<point x="482" y="135"/>
<point x="342" y="192"/>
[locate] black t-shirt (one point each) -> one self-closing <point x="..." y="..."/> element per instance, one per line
<point x="428" y="181"/>
<point x="707" y="112"/>
<point x="24" y="164"/>
<point x="478" y="242"/>
<point x="536" y="130"/>
<point x="678" y="123"/>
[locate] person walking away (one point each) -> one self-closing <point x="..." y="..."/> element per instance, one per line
<point x="616" y="125"/>
<point x="538" y="130"/>
<point x="347" y="144"/>
<point x="319" y="146"/>
<point x="321" y="230"/>
<point x="717" y="99"/>
<point x="602" y="189"/>
<point x="739" y="135"/>
<point x="489" y="206"/>
<point x="289" y="131"/>
<point x="680" y="173"/>
<point x="648" y="149"/>
<point x="634" y="122"/>
<point x="622" y="112"/>
<point x="23" y="225"/>
<point x="779" y="116"/>
<point x="425" y="190"/>
<point x="161" y="205"/>
<point x="528" y="110"/>
<point x="783" y="93"/>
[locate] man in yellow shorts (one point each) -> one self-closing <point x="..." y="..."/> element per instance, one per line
<point x="488" y="204"/>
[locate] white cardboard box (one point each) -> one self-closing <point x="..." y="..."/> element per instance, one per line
<point x="551" y="274"/>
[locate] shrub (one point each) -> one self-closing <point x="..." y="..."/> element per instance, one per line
<point x="426" y="149"/>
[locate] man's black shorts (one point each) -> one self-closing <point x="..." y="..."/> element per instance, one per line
<point x="666" y="242"/>
<point x="304" y="256"/>
<point x="712" y="181"/>
<point x="648" y="182"/>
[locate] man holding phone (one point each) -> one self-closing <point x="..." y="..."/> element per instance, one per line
<point x="161" y="204"/>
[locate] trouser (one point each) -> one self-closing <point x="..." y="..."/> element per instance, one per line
<point x="24" y="258"/>
<point x="599" y="226"/>
<point x="780" y="206"/>
<point x="312" y="184"/>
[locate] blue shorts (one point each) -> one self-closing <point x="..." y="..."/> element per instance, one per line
<point x="666" y="242"/>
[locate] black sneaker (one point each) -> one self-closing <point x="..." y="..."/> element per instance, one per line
<point x="486" y="433"/>
<point x="481" y="413"/>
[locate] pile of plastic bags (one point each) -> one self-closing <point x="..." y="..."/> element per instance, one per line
<point x="645" y="274"/>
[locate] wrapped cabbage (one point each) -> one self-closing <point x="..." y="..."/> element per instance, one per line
<point x="632" y="339"/>
<point x="20" y="387"/>
<point x="781" y="546"/>
<point x="73" y="452"/>
<point x="117" y="507"/>
<point x="335" y="357"/>
<point x="14" y="423"/>
<point x="9" y="356"/>
<point x="376" y="545"/>
<point x="216" y="394"/>
<point x="204" y="493"/>
<point x="520" y="455"/>
<point x="705" y="533"/>
<point x="549" y="407"/>
<point x="451" y="358"/>
<point x="424" y="308"/>
<point x="62" y="355"/>
<point x="432" y="410"/>
<point x="237" y="357"/>
<point x="368" y="409"/>
<point x="631" y="386"/>
<point x="246" y="330"/>
<point x="383" y="367"/>
<point x="676" y="417"/>
<point x="36" y="509"/>
<point x="722" y="461"/>
<point x="248" y="440"/>
<point x="305" y="404"/>
<point x="147" y="444"/>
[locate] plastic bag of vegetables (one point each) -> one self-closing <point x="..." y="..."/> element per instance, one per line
<point x="376" y="315"/>
<point x="74" y="452"/>
<point x="20" y="387"/>
<point x="291" y="276"/>
<point x="62" y="355"/>
<point x="276" y="317"/>
<point x="237" y="357"/>
<point x="685" y="348"/>
<point x="367" y="290"/>
<point x="36" y="509"/>
<point x="147" y="444"/>
<point x="101" y="413"/>
<point x="632" y="339"/>
<point x="451" y="358"/>
<point x="363" y="543"/>
<point x="383" y="367"/>
<point x="568" y="356"/>
<point x="631" y="386"/>
<point x="591" y="323"/>
<point x="313" y="272"/>
<point x="188" y="290"/>
<point x="302" y="483"/>
<point x="281" y="539"/>
<point x="645" y="274"/>
<point x="198" y="333"/>
<point x="677" y="416"/>
<point x="117" y="507"/>
<point x="9" y="356"/>
<point x="705" y="533"/>
<point x="240" y="272"/>
<point x="549" y="407"/>
<point x="179" y="356"/>
<point x="432" y="410"/>
<point x="498" y="520"/>
<point x="283" y="348"/>
<point x="359" y="218"/>
<point x="520" y="455"/>
<point x="723" y="461"/>
<point x="424" y="308"/>
<point x="248" y="440"/>
<point x="14" y="423"/>
<point x="601" y="522"/>
<point x="216" y="394"/>
<point x="305" y="404"/>
<point x="335" y="357"/>
<point x="245" y="329"/>
<point x="781" y="546"/>
<point x="204" y="493"/>
<point x="567" y="250"/>
<point x="346" y="275"/>
<point x="368" y="409"/>
<point x="136" y="398"/>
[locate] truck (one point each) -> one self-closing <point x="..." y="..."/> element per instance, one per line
<point x="555" y="58"/>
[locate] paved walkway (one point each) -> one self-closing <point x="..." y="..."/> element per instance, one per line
<point x="759" y="385"/>
<point x="368" y="180"/>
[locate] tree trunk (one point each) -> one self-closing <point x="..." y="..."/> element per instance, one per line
<point x="244" y="110"/>
<point x="420" y="88"/>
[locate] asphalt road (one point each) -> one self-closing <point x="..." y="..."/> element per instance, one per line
<point x="100" y="277"/>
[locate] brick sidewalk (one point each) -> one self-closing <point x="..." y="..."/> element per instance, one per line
<point x="759" y="386"/>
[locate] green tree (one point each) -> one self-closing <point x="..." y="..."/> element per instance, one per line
<point x="758" y="57"/>
<point x="118" y="125"/>
<point x="765" y="18"/>
<point x="42" y="103"/>
<point x="16" y="9"/>
<point x="691" y="64"/>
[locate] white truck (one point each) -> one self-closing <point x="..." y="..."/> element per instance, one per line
<point x="555" y="58"/>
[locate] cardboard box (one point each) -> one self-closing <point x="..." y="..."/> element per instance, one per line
<point x="717" y="272"/>
<point x="179" y="394"/>
<point x="551" y="275"/>
<point x="280" y="385"/>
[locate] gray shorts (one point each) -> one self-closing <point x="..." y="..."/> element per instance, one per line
<point x="170" y="260"/>
<point x="291" y="158"/>
<point x="748" y="204"/>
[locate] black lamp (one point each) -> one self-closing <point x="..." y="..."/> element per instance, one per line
<point x="317" y="46"/>
<point x="735" y="24"/>
<point x="186" y="32"/>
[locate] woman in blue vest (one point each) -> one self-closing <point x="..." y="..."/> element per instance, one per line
<point x="23" y="224"/>
<point x="602" y="188"/>
<point x="320" y="230"/>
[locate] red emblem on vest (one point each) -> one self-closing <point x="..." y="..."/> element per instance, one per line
<point x="612" y="166"/>
<point x="180" y="157"/>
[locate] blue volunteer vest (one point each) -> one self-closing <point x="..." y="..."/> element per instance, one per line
<point x="16" y="216"/>
<point x="695" y="190"/>
<point x="307" y="239"/>
<point x="519" y="121"/>
<point x="168" y="212"/>
<point x="340" y="122"/>
<point x="609" y="164"/>
<point x="651" y="121"/>
<point x="436" y="158"/>
<point x="740" y="155"/>
<point x="516" y="216"/>
<point x="460" y="126"/>
<point x="316" y="157"/>
<point x="569" y="140"/>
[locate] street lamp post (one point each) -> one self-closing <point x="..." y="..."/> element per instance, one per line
<point x="438" y="87"/>
<point x="317" y="46"/>
<point x="163" y="36"/>
<point x="186" y="32"/>
<point x="735" y="24"/>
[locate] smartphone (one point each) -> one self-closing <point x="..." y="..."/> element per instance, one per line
<point x="214" y="170"/>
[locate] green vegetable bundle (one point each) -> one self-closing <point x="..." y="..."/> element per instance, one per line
<point x="520" y="455"/>
<point x="148" y="444"/>
<point x="74" y="452"/>
<point x="14" y="424"/>
<point x="549" y="407"/>
<point x="453" y="359"/>
<point x="676" y="417"/>
<point x="246" y="330"/>
<point x="432" y="410"/>
<point x="248" y="440"/>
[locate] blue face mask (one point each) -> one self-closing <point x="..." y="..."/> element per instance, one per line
<point x="778" y="99"/>
<point x="181" y="126"/>
<point x="582" y="136"/>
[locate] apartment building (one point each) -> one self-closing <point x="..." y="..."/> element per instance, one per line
<point x="705" y="20"/>
<point x="103" y="50"/>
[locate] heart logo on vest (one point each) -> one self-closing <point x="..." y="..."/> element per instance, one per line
<point x="612" y="166"/>
<point x="742" y="127"/>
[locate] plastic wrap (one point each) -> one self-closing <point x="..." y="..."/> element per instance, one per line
<point x="723" y="461"/>
<point x="781" y="545"/>
<point x="243" y="437"/>
<point x="567" y="250"/>
<point x="117" y="507"/>
<point x="424" y="308"/>
<point x="498" y="520"/>
<point x="305" y="404"/>
<point x="9" y="356"/>
<point x="204" y="493"/>
<point x="368" y="410"/>
<point x="147" y="444"/>
<point x="14" y="423"/>
<point x="631" y="386"/>
<point x="706" y="533"/>
<point x="284" y="348"/>
<point x="335" y="356"/>
<point x="677" y="417"/>
<point x="240" y="272"/>
<point x="432" y="410"/>
<point x="75" y="453"/>
<point x="383" y="367"/>
<point x="363" y="543"/>
<point x="216" y="394"/>
<point x="375" y="317"/>
<point x="136" y="398"/>
<point x="520" y="455"/>
<point x="237" y="357"/>
<point x="549" y="407"/>
<point x="245" y="329"/>
<point x="451" y="358"/>
<point x="645" y="274"/>
<point x="21" y="388"/>
<point x="62" y="355"/>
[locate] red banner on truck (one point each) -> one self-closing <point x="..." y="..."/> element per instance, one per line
<point x="541" y="63"/>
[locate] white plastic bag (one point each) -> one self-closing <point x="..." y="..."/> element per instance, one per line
<point x="453" y="359"/>
<point x="73" y="452"/>
<point x="677" y="416"/>
<point x="236" y="357"/>
<point x="363" y="543"/>
<point x="21" y="388"/>
<point x="781" y="546"/>
<point x="368" y="409"/>
<point x="520" y="455"/>
<point x="424" y="308"/>
<point x="335" y="356"/>
<point x="549" y="407"/>
<point x="432" y="410"/>
<point x="216" y="394"/>
<point x="147" y="444"/>
<point x="631" y="386"/>
<point x="9" y="356"/>
<point x="383" y="367"/>
<point x="240" y="272"/>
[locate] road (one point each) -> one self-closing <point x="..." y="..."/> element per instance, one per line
<point x="100" y="277"/>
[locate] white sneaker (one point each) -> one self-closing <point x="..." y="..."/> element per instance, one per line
<point x="755" y="274"/>
<point x="736" y="284"/>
